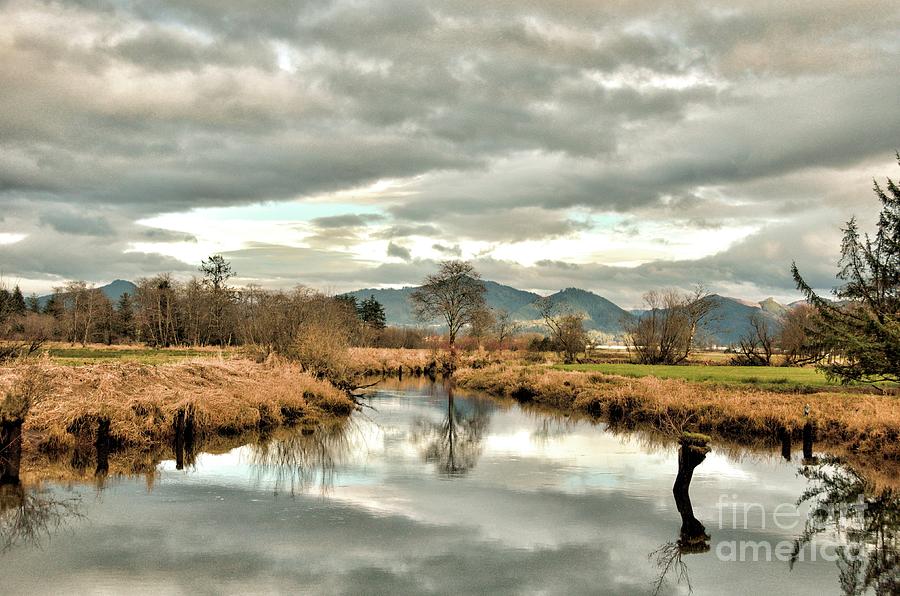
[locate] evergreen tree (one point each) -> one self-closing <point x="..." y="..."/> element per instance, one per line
<point x="33" y="303"/>
<point x="5" y="304"/>
<point x="371" y="312"/>
<point x="55" y="305"/>
<point x="863" y="327"/>
<point x="17" y="301"/>
<point x="349" y="302"/>
<point x="216" y="271"/>
<point x="123" y="322"/>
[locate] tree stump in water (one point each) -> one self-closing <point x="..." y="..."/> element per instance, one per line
<point x="691" y="453"/>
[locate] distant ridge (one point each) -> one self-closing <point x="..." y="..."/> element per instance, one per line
<point x="729" y="320"/>
<point x="112" y="290"/>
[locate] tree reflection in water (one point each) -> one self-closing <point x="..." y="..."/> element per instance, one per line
<point x="454" y="444"/>
<point x="299" y="459"/>
<point x="866" y="519"/>
<point x="30" y="515"/>
<point x="692" y="538"/>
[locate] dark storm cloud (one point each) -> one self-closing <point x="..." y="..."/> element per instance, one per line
<point x="403" y="230"/>
<point x="160" y="235"/>
<point x="400" y="252"/>
<point x="350" y="220"/>
<point x="79" y="225"/>
<point x="454" y="251"/>
<point x="505" y="115"/>
<point x="54" y="256"/>
<point x="460" y="219"/>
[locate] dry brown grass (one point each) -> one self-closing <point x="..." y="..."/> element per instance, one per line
<point x="867" y="424"/>
<point x="378" y="361"/>
<point x="388" y="361"/>
<point x="140" y="401"/>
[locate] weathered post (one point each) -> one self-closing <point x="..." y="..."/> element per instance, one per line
<point x="184" y="438"/>
<point x="785" y="436"/>
<point x="179" y="440"/>
<point x="809" y="435"/>
<point x="10" y="450"/>
<point x="102" y="444"/>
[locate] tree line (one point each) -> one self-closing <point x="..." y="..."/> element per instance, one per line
<point x="202" y="311"/>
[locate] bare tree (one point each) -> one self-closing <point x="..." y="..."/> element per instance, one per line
<point x="666" y="333"/>
<point x="504" y="326"/>
<point x="482" y="323"/>
<point x="798" y="336"/>
<point x="156" y="298"/>
<point x="80" y="304"/>
<point x="757" y="346"/>
<point x="566" y="329"/>
<point x="455" y="294"/>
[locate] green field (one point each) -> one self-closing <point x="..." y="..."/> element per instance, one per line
<point x="771" y="377"/>
<point x="78" y="356"/>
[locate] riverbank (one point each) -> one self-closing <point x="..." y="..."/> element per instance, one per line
<point x="858" y="423"/>
<point x="139" y="406"/>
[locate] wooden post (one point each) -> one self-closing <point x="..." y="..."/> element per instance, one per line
<point x="10" y="450"/>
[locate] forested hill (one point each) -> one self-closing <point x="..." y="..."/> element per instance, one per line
<point x="113" y="291"/>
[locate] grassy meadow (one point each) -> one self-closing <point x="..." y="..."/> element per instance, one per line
<point x="98" y="353"/>
<point x="777" y="378"/>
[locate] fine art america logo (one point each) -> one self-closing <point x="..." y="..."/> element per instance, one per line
<point x="786" y="517"/>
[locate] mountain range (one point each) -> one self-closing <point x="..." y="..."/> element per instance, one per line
<point x="600" y="313"/>
<point x="729" y="320"/>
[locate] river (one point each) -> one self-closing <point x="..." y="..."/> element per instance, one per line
<point x="421" y="492"/>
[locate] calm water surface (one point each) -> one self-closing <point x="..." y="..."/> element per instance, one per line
<point x="424" y="494"/>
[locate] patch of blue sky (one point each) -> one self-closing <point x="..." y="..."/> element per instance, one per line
<point x="285" y="211"/>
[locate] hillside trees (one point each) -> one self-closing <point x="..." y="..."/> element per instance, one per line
<point x="864" y="326"/>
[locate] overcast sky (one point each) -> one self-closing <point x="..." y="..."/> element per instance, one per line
<point x="611" y="145"/>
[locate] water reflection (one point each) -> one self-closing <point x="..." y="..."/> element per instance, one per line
<point x="549" y="504"/>
<point x="29" y="516"/>
<point x="296" y="460"/>
<point x="692" y="537"/>
<point x="454" y="444"/>
<point x="863" y="519"/>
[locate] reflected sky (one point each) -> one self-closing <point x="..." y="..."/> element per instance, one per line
<point x="548" y="505"/>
